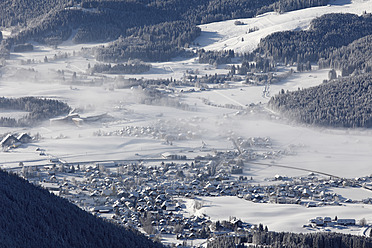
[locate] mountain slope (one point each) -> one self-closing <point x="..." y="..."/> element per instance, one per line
<point x="53" y="21"/>
<point x="326" y="33"/>
<point x="21" y="11"/>
<point x="355" y="56"/>
<point x="226" y="35"/>
<point x="345" y="102"/>
<point x="32" y="217"/>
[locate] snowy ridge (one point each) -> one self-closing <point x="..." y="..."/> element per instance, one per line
<point x="226" y="35"/>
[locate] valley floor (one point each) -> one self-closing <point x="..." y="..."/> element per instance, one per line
<point x="194" y="123"/>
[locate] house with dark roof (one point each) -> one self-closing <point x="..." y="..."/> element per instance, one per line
<point x="9" y="141"/>
<point x="24" y="138"/>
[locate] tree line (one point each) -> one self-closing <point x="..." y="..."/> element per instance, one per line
<point x="290" y="5"/>
<point x="215" y="57"/>
<point x="263" y="238"/>
<point x="38" y="109"/>
<point x="128" y="68"/>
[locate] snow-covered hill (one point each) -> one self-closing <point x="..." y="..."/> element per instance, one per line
<point x="226" y="35"/>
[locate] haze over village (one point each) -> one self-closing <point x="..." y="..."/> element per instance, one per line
<point x="193" y="148"/>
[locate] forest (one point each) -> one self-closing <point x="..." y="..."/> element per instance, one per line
<point x="355" y="57"/>
<point x="336" y="41"/>
<point x="131" y="20"/>
<point x="22" y="11"/>
<point x="159" y="42"/>
<point x="128" y="68"/>
<point x="344" y="102"/>
<point x="39" y="110"/>
<point x="215" y="57"/>
<point x="197" y="11"/>
<point x="326" y="33"/>
<point x="33" y="217"/>
<point x="263" y="238"/>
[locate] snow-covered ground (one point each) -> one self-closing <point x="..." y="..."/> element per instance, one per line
<point x="353" y="194"/>
<point x="340" y="152"/>
<point x="282" y="217"/>
<point x="226" y="35"/>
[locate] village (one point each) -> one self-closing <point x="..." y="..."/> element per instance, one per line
<point x="155" y="196"/>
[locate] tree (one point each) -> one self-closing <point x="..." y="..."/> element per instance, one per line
<point x="332" y="74"/>
<point x="363" y="222"/>
<point x="260" y="227"/>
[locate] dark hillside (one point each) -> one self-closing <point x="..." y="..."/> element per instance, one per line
<point x="21" y="11"/>
<point x="326" y="34"/>
<point x="355" y="57"/>
<point x="100" y="20"/>
<point x="32" y="217"/>
<point x="53" y="21"/>
<point x="345" y="102"/>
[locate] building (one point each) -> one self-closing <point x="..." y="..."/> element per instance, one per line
<point x="10" y="141"/>
<point x="24" y="138"/>
<point x="346" y="222"/>
<point x="170" y="156"/>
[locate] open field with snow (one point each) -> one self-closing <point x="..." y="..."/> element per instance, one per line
<point x="282" y="217"/>
<point x="138" y="131"/>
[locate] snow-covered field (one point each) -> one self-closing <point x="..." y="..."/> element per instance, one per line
<point x="281" y="217"/>
<point x="226" y="35"/>
<point x="340" y="152"/>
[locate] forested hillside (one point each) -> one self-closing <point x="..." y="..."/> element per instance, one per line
<point x="33" y="217"/>
<point x="158" y="42"/>
<point x="345" y="102"/>
<point x="325" y="34"/>
<point x="21" y="11"/>
<point x="52" y="21"/>
<point x="355" y="57"/>
<point x="336" y="41"/>
<point x="92" y="24"/>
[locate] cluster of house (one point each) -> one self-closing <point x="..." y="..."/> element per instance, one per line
<point x="128" y="197"/>
<point x="152" y="197"/>
<point x="14" y="140"/>
<point x="166" y="130"/>
<point x="328" y="221"/>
